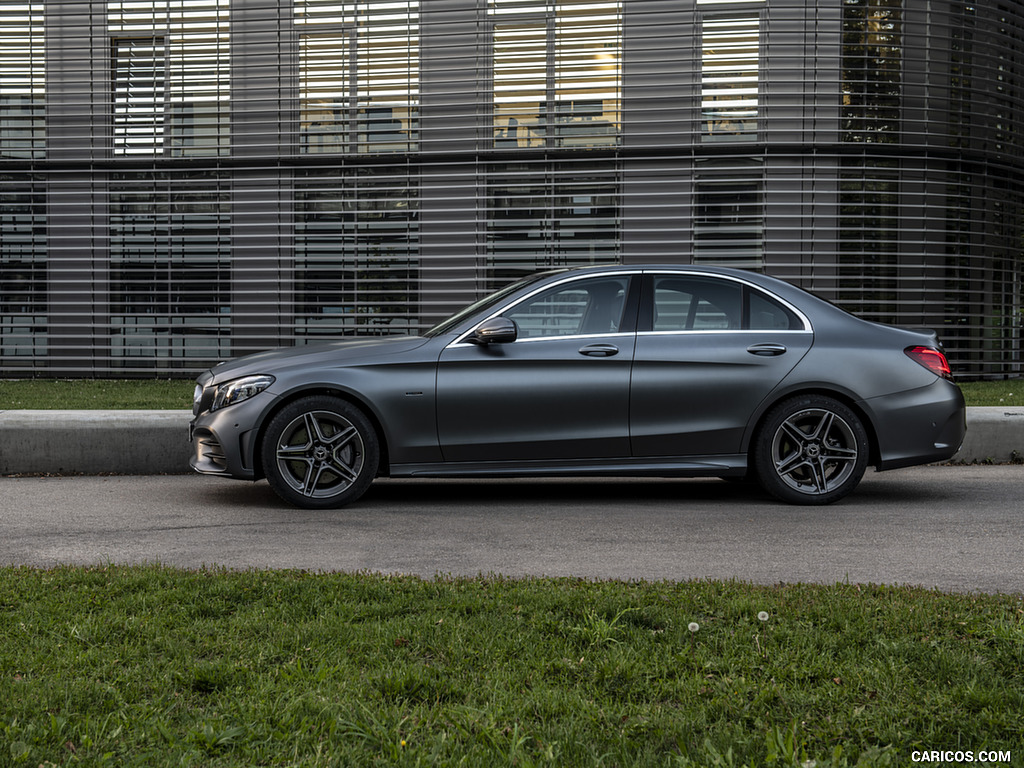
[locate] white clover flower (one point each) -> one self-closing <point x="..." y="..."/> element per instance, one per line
<point x="693" y="626"/>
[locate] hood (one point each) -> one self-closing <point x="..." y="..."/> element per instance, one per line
<point x="337" y="353"/>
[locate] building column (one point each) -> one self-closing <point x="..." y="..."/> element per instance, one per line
<point x="661" y="109"/>
<point x="264" y="97"/>
<point x="78" y="129"/>
<point x="452" y="82"/>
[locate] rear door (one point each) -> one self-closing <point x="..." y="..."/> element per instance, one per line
<point x="709" y="350"/>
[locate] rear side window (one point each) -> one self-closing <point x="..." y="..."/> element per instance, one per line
<point x="692" y="303"/>
<point x="766" y="314"/>
<point x="696" y="304"/>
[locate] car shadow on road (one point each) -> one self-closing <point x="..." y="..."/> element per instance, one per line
<point x="553" y="490"/>
<point x="395" y="494"/>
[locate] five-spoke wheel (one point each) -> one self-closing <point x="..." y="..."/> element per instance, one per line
<point x="811" y="449"/>
<point x="320" y="452"/>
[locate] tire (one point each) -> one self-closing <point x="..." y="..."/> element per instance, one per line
<point x="811" y="449"/>
<point x="320" y="453"/>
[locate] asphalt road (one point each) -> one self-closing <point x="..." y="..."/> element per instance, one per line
<point x="955" y="528"/>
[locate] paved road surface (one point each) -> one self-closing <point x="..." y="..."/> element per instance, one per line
<point x="955" y="528"/>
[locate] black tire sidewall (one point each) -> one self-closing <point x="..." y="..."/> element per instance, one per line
<point x="764" y="465"/>
<point x="339" y="407"/>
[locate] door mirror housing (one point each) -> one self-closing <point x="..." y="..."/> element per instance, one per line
<point x="497" y="330"/>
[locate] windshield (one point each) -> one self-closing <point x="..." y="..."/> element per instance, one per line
<point x="479" y="306"/>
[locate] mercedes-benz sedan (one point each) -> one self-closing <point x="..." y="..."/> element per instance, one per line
<point x="660" y="371"/>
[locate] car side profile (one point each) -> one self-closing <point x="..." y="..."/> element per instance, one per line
<point x="679" y="371"/>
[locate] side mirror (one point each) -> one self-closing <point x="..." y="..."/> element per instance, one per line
<point x="497" y="330"/>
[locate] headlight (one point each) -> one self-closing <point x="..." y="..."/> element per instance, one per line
<point x="236" y="391"/>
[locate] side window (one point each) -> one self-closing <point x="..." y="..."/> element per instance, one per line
<point x="697" y="304"/>
<point x="589" y="306"/>
<point x="691" y="303"/>
<point x="766" y="314"/>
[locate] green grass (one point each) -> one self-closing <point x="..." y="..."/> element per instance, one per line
<point x="96" y="394"/>
<point x="163" y="394"/>
<point x="147" y="666"/>
<point x="1009" y="392"/>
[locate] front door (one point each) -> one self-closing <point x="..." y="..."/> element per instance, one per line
<point x="560" y="391"/>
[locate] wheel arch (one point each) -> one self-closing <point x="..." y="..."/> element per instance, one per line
<point x="328" y="390"/>
<point x="874" y="453"/>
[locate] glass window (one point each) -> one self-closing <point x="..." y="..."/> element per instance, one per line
<point x="171" y="67"/>
<point x="766" y="314"/>
<point x="324" y="61"/>
<point x="591" y="306"/>
<point x="356" y="241"/>
<point x="690" y="303"/>
<point x="557" y="215"/>
<point x="170" y="277"/>
<point x="729" y="217"/>
<point x="557" y="71"/>
<point x="23" y="270"/>
<point x="22" y="80"/>
<point x="359" y="76"/>
<point x="520" y="85"/>
<point x="730" y="52"/>
<point x="869" y="238"/>
<point x="140" y="79"/>
<point x="697" y="304"/>
<point x="872" y="64"/>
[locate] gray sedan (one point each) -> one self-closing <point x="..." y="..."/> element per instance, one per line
<point x="661" y="371"/>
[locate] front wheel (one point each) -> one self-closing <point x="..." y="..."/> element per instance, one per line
<point x="811" y="449"/>
<point x="320" y="453"/>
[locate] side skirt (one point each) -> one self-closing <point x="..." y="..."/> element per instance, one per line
<point x="728" y="465"/>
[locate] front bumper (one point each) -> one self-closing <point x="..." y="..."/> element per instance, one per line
<point x="224" y="441"/>
<point x="920" y="426"/>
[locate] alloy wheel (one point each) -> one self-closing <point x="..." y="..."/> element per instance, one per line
<point x="320" y="454"/>
<point x="814" y="451"/>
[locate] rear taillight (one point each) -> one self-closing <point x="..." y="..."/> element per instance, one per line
<point x="932" y="359"/>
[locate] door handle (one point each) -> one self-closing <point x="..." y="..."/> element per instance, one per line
<point x="767" y="349"/>
<point x="599" y="350"/>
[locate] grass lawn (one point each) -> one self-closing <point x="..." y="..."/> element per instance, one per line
<point x="121" y="666"/>
<point x="148" y="666"/>
<point x="1009" y="392"/>
<point x="170" y="394"/>
<point x="95" y="394"/>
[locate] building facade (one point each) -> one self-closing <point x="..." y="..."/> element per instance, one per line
<point x="182" y="182"/>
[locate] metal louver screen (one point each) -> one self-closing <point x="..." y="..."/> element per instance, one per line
<point x="185" y="182"/>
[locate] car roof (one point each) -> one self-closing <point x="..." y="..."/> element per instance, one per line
<point x="759" y="278"/>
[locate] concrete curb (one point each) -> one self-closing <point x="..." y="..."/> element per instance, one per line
<point x="993" y="434"/>
<point x="156" y="442"/>
<point x="94" y="442"/>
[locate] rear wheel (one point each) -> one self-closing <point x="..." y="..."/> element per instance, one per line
<point x="812" y="449"/>
<point x="320" y="453"/>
